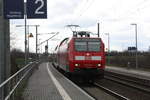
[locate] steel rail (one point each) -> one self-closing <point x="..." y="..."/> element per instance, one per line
<point x="138" y="80"/>
<point x="120" y="97"/>
<point x="141" y="82"/>
<point x="128" y="83"/>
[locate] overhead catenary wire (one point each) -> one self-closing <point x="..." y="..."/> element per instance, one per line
<point x="83" y="10"/>
<point x="48" y="39"/>
<point x="136" y="8"/>
<point x="86" y="9"/>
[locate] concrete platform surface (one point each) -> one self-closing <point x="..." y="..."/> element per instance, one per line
<point x="47" y="83"/>
<point x="130" y="72"/>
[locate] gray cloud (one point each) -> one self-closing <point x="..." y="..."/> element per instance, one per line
<point x="115" y="17"/>
<point x="61" y="8"/>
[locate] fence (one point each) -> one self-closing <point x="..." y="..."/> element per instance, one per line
<point x="10" y="88"/>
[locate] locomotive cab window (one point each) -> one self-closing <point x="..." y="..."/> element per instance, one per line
<point x="93" y="46"/>
<point x="87" y="45"/>
<point x="80" y="46"/>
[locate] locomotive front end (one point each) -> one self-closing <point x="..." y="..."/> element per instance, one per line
<point x="87" y="57"/>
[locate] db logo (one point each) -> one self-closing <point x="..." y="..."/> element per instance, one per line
<point x="87" y="57"/>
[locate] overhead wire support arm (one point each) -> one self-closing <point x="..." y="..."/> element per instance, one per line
<point x="48" y="39"/>
<point x="46" y="33"/>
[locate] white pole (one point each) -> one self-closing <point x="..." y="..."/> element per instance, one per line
<point x="136" y="55"/>
<point x="108" y="46"/>
<point x="25" y="28"/>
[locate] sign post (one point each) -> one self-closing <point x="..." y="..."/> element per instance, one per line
<point x="1" y="9"/>
<point x="5" y="68"/>
<point x="1" y="52"/>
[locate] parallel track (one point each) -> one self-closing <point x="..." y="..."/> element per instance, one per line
<point x="128" y="82"/>
<point x="101" y="92"/>
<point x="118" y="96"/>
<point x="106" y="90"/>
<point x="122" y="81"/>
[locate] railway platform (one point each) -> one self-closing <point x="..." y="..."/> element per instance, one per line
<point x="46" y="83"/>
<point x="129" y="72"/>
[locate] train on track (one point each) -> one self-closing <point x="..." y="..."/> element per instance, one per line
<point x="81" y="55"/>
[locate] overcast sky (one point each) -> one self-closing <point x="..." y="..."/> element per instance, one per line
<point x="115" y="17"/>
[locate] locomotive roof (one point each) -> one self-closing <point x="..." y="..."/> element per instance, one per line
<point x="87" y="37"/>
<point x="68" y="39"/>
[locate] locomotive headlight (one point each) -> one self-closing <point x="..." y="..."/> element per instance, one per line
<point x="76" y="65"/>
<point x="98" y="64"/>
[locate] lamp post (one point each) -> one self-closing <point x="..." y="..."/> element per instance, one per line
<point x="26" y="38"/>
<point x="28" y="44"/>
<point x="29" y="36"/>
<point x="136" y="59"/>
<point x="40" y="47"/>
<point x="108" y="41"/>
<point x="25" y="42"/>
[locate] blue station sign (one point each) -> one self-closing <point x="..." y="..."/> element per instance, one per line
<point x="13" y="9"/>
<point x="36" y="9"/>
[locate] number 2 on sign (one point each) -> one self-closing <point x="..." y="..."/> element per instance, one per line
<point x="37" y="11"/>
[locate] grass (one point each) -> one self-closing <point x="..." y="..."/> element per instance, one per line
<point x="20" y="62"/>
<point x="22" y="86"/>
<point x="20" y="90"/>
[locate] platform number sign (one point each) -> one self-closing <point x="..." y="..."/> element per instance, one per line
<point x="13" y="9"/>
<point x="36" y="9"/>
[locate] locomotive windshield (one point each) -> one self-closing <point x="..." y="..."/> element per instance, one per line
<point x="81" y="46"/>
<point x="87" y="45"/>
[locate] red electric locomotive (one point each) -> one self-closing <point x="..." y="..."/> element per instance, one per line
<point x="82" y="56"/>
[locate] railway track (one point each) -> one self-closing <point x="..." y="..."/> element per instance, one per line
<point x="128" y="86"/>
<point x="118" y="96"/>
<point x="113" y="87"/>
<point x="101" y="93"/>
<point x="139" y="84"/>
<point x="121" y="88"/>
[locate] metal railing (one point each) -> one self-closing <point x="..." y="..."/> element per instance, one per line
<point x="10" y="88"/>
